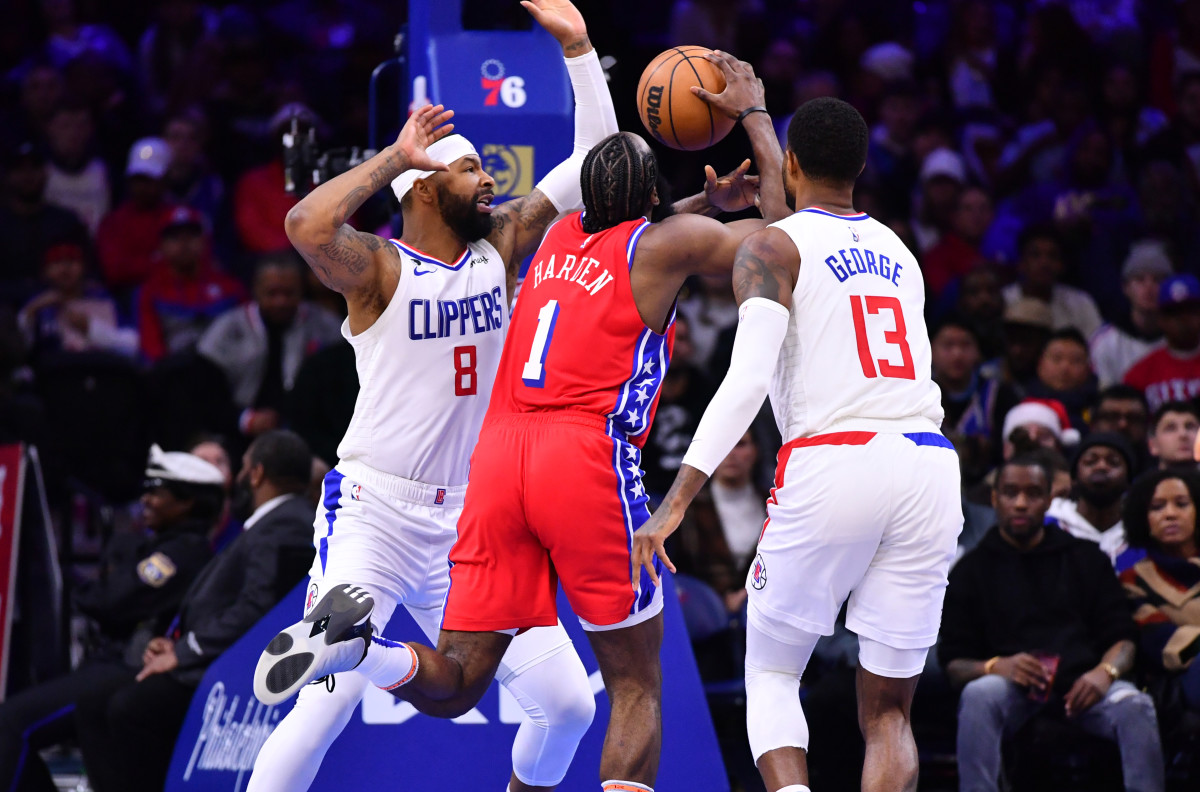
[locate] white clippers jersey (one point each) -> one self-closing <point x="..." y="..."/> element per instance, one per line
<point x="427" y="366"/>
<point x="856" y="356"/>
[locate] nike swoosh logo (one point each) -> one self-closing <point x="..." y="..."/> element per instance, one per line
<point x="422" y="272"/>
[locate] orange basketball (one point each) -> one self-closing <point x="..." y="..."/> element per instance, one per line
<point x="670" y="111"/>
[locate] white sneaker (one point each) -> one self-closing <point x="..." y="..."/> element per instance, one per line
<point x="333" y="637"/>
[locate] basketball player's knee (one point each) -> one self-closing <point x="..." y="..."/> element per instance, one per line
<point x="573" y="711"/>
<point x="774" y="717"/>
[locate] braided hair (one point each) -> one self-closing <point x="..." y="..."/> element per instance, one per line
<point x="618" y="180"/>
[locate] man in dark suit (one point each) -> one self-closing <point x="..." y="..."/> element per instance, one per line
<point x="127" y="736"/>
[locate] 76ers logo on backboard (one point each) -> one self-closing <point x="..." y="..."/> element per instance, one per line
<point x="508" y="90"/>
<point x="758" y="573"/>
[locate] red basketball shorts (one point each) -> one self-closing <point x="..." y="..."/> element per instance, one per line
<point x="551" y="497"/>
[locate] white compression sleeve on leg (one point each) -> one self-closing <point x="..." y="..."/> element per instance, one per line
<point x="774" y="717"/>
<point x="558" y="703"/>
<point x="595" y="119"/>
<point x="762" y="325"/>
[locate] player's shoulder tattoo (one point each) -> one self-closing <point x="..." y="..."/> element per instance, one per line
<point x="759" y="270"/>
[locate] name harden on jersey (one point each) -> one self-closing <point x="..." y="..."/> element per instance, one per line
<point x="860" y="262"/>
<point x="572" y="269"/>
<point x="479" y="313"/>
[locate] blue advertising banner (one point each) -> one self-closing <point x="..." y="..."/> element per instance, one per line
<point x="387" y="739"/>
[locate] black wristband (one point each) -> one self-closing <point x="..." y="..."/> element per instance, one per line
<point x="749" y="110"/>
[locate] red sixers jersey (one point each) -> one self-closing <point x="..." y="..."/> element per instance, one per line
<point x="576" y="340"/>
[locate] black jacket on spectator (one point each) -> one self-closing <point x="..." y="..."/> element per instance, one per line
<point x="142" y="582"/>
<point x="242" y="583"/>
<point x="1060" y="597"/>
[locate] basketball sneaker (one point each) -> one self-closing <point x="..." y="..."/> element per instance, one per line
<point x="333" y="637"/>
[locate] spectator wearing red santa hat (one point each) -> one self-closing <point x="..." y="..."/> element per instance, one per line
<point x="1044" y="421"/>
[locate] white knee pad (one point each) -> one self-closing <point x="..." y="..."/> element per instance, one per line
<point x="774" y="717"/>
<point x="886" y="661"/>
<point x="558" y="702"/>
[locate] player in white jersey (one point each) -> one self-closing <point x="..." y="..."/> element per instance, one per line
<point x="866" y="498"/>
<point x="427" y="319"/>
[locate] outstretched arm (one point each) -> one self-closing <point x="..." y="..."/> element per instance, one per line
<point x="520" y="224"/>
<point x="764" y="276"/>
<point x="350" y="261"/>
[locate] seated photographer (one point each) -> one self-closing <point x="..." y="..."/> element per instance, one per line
<point x="143" y="580"/>
<point x="127" y="732"/>
<point x="1035" y="622"/>
<point x="1164" y="587"/>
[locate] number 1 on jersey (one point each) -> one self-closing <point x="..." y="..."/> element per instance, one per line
<point x="897" y="337"/>
<point x="534" y="373"/>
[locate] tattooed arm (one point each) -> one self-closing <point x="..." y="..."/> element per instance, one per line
<point x="355" y="263"/>
<point x="764" y="276"/>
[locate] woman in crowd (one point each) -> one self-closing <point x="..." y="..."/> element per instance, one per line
<point x="1164" y="587"/>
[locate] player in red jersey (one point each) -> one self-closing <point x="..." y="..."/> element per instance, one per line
<point x="555" y="490"/>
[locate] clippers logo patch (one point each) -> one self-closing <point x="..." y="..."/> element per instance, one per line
<point x="311" y="599"/>
<point x="440" y="497"/>
<point x="758" y="573"/>
<point x="156" y="570"/>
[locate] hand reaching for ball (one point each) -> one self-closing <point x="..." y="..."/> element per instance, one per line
<point x="742" y="89"/>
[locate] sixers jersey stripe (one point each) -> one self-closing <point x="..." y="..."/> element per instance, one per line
<point x="576" y="339"/>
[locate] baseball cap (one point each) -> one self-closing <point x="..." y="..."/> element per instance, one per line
<point x="889" y="61"/>
<point x="1029" y="311"/>
<point x="184" y="217"/>
<point x="180" y="468"/>
<point x="943" y="162"/>
<point x="1146" y="257"/>
<point x="149" y="157"/>
<point x="1179" y="290"/>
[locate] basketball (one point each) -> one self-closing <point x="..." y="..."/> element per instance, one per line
<point x="670" y="111"/>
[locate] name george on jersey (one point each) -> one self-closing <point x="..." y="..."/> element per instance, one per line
<point x="574" y="269"/>
<point x="862" y="262"/>
<point x="479" y="313"/>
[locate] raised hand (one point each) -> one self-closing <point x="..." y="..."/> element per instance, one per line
<point x="732" y="192"/>
<point x="742" y="89"/>
<point x="424" y="128"/>
<point x="561" y="18"/>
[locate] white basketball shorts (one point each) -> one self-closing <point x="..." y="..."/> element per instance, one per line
<point x="870" y="516"/>
<point x="392" y="536"/>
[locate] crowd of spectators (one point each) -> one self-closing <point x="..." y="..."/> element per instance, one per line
<point x="1041" y="158"/>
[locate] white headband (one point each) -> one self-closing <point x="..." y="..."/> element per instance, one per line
<point x="447" y="150"/>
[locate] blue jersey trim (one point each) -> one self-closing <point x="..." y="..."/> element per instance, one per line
<point x="859" y="216"/>
<point x="427" y="259"/>
<point x="633" y="240"/>
<point x="332" y="501"/>
<point x="929" y="439"/>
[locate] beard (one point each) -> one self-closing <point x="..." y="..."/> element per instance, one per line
<point x="788" y="198"/>
<point x="462" y="215"/>
<point x="241" y="500"/>
<point x="1101" y="495"/>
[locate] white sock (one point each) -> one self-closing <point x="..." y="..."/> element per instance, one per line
<point x="795" y="788"/>
<point x="389" y="664"/>
<point x="625" y="786"/>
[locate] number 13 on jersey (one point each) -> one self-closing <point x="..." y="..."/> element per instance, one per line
<point x="897" y="336"/>
<point x="534" y="372"/>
